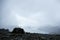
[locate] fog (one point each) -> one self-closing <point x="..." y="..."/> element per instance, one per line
<point x="37" y="16"/>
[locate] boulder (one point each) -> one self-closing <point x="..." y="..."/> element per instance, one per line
<point x="18" y="31"/>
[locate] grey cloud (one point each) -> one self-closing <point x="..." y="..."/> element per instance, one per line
<point x="34" y="13"/>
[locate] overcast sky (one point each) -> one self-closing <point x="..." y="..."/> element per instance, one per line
<point x="32" y="15"/>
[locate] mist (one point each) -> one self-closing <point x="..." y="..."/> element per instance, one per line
<point x="37" y="16"/>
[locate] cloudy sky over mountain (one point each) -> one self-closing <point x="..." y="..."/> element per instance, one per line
<point x="30" y="14"/>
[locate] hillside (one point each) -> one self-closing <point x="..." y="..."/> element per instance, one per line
<point x="20" y="34"/>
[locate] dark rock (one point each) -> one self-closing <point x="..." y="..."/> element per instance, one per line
<point x="4" y="31"/>
<point x="18" y="31"/>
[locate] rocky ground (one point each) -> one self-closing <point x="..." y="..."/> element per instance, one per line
<point x="27" y="36"/>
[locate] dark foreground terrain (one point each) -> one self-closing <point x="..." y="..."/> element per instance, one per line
<point x="20" y="34"/>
